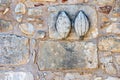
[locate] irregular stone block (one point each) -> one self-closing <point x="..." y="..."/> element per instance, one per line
<point x="72" y="10"/>
<point x="109" y="43"/>
<point x="35" y="11"/>
<point x="16" y="76"/>
<point x="66" y="55"/>
<point x="14" y="50"/>
<point x="77" y="76"/>
<point x="5" y="25"/>
<point x="20" y="8"/>
<point x="27" y="28"/>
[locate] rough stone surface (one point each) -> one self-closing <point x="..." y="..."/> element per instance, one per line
<point x="109" y="43"/>
<point x="63" y="24"/>
<point x="14" y="50"/>
<point x="27" y="28"/>
<point x="35" y="11"/>
<point x="90" y="12"/>
<point x="5" y="25"/>
<point x="67" y="55"/>
<point x="20" y="8"/>
<point x="16" y="76"/>
<point x="77" y="76"/>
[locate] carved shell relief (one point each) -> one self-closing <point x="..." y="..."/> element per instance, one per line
<point x="63" y="24"/>
<point x="81" y="24"/>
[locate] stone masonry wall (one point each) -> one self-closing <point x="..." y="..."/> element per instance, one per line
<point x="59" y="39"/>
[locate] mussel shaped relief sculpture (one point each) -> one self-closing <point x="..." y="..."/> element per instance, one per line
<point x="81" y="24"/>
<point x="63" y="24"/>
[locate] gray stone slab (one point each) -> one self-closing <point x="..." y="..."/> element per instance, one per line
<point x="14" y="50"/>
<point x="66" y="55"/>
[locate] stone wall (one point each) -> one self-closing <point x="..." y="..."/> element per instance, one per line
<point x="59" y="39"/>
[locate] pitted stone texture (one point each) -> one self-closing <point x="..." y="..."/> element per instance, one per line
<point x="16" y="76"/>
<point x="77" y="76"/>
<point x="66" y="55"/>
<point x="109" y="43"/>
<point x="49" y="75"/>
<point x="5" y="25"/>
<point x="108" y="65"/>
<point x="73" y="10"/>
<point x="14" y="50"/>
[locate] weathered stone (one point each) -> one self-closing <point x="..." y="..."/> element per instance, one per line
<point x="114" y="28"/>
<point x="81" y="24"/>
<point x="49" y="75"/>
<point x="16" y="76"/>
<point x="14" y="50"/>
<point x="27" y="28"/>
<point x="66" y="55"/>
<point x="43" y="0"/>
<point x="112" y="78"/>
<point x="107" y="64"/>
<point x="37" y="11"/>
<point x="40" y="35"/>
<point x="77" y="76"/>
<point x="72" y="10"/>
<point x="109" y="43"/>
<point x="63" y="24"/>
<point x="5" y="25"/>
<point x="20" y="8"/>
<point x="19" y="17"/>
<point x="105" y="2"/>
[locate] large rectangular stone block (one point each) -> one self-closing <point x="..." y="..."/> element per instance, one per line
<point x="55" y="55"/>
<point x="14" y="50"/>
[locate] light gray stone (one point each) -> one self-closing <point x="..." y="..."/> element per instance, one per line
<point x="66" y="55"/>
<point x="20" y="8"/>
<point x="19" y="18"/>
<point x="27" y="28"/>
<point x="77" y="76"/>
<point x="14" y="50"/>
<point x="112" y="78"/>
<point x="35" y="12"/>
<point x="109" y="43"/>
<point x="16" y="76"/>
<point x="63" y="24"/>
<point x="5" y="25"/>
